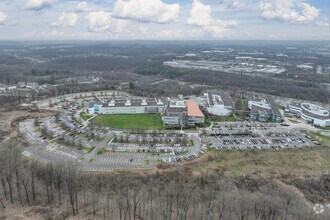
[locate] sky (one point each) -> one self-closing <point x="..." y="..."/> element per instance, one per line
<point x="165" y="20"/>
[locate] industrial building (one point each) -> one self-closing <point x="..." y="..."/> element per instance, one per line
<point x="264" y="109"/>
<point x="311" y="113"/>
<point x="219" y="103"/>
<point x="6" y="88"/>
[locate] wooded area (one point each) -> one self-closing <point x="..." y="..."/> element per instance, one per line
<point x="67" y="191"/>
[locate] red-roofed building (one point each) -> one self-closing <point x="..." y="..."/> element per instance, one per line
<point x="195" y="115"/>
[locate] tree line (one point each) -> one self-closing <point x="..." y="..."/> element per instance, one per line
<point x="126" y="195"/>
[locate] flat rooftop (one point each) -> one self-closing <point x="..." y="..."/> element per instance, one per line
<point x="224" y="98"/>
<point x="312" y="110"/>
<point x="269" y="104"/>
<point x="135" y="103"/>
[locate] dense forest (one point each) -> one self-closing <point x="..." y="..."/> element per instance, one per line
<point x="280" y="87"/>
<point x="58" y="191"/>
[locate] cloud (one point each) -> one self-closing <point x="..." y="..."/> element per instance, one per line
<point x="145" y="32"/>
<point x="288" y="10"/>
<point x="201" y="15"/>
<point x="102" y="21"/>
<point x="146" y="10"/>
<point x="3" y="18"/>
<point x="82" y="7"/>
<point x="325" y="22"/>
<point x="38" y="4"/>
<point x="171" y="34"/>
<point x="236" y="4"/>
<point x="67" y="19"/>
<point x="56" y="33"/>
<point x="30" y="34"/>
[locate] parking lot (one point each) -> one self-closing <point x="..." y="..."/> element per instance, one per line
<point x="120" y="161"/>
<point x="244" y="135"/>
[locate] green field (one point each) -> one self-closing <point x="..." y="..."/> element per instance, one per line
<point x="84" y="116"/>
<point x="325" y="140"/>
<point x="130" y="121"/>
<point x="300" y="162"/>
<point x="241" y="104"/>
<point x="322" y="128"/>
<point x="102" y="151"/>
<point x="207" y="122"/>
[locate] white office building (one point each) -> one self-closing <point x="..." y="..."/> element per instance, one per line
<point x="311" y="113"/>
<point x="140" y="106"/>
<point x="219" y="103"/>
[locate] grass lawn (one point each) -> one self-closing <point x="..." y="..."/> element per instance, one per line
<point x="130" y="121"/>
<point x="207" y="122"/>
<point x="89" y="149"/>
<point x="324" y="140"/>
<point x="84" y="116"/>
<point x="241" y="104"/>
<point x="306" y="161"/>
<point x="322" y="128"/>
<point x="102" y="151"/>
<point x="300" y="162"/>
<point x="191" y="143"/>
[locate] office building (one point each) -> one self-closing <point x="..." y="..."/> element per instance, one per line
<point x="311" y="113"/>
<point x="264" y="109"/>
<point x="219" y="103"/>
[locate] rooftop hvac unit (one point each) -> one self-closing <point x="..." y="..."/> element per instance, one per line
<point x="112" y="103"/>
<point x="128" y="103"/>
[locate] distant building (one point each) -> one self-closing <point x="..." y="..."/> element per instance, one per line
<point x="306" y="66"/>
<point x="28" y="85"/>
<point x="311" y="113"/>
<point x="11" y="88"/>
<point x="219" y="103"/>
<point x="264" y="109"/>
<point x="3" y="87"/>
<point x="32" y="85"/>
